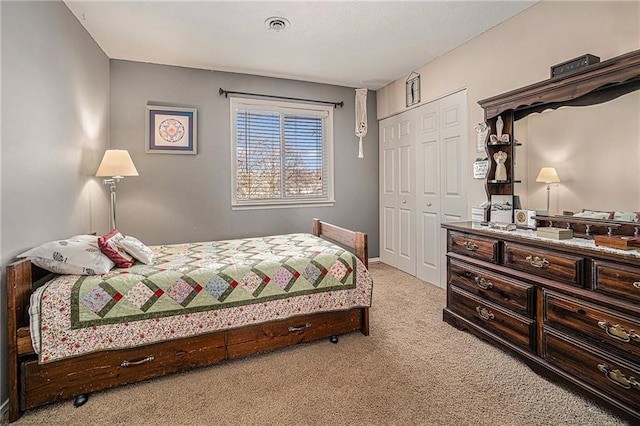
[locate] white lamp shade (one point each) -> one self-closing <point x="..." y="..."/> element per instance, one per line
<point x="117" y="162"/>
<point x="548" y="175"/>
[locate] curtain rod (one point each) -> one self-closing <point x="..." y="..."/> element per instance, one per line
<point x="226" y="94"/>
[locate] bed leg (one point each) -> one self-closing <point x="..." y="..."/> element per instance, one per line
<point x="81" y="400"/>
<point x="364" y="324"/>
<point x="333" y="339"/>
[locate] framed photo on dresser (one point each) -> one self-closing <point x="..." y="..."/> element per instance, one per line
<point x="501" y="209"/>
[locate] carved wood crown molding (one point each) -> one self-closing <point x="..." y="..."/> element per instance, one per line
<point x="594" y="84"/>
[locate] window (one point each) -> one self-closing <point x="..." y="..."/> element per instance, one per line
<point x="282" y="154"/>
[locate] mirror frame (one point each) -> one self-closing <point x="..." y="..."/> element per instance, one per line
<point x="595" y="84"/>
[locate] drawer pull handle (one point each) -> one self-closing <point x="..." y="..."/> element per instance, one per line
<point x="483" y="283"/>
<point x="619" y="333"/>
<point x="536" y="262"/>
<point x="471" y="246"/>
<point x="618" y="378"/>
<point x="484" y="313"/>
<point x="138" y="362"/>
<point x="636" y="284"/>
<point x="299" y="328"/>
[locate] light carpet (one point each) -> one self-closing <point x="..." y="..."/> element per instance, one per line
<point x="413" y="369"/>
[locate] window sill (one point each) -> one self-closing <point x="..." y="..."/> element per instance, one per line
<point x="298" y="204"/>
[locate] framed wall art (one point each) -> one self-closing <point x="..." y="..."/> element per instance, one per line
<point x="171" y="130"/>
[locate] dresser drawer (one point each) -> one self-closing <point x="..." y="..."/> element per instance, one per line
<point x="496" y="288"/>
<point x="601" y="369"/>
<point x="600" y="324"/>
<point x="474" y="246"/>
<point x="544" y="263"/>
<point x="617" y="280"/>
<point x="502" y="322"/>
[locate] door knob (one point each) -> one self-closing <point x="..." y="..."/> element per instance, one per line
<point x="404" y="201"/>
<point x="428" y="204"/>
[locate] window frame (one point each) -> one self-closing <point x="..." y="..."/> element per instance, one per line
<point x="283" y="108"/>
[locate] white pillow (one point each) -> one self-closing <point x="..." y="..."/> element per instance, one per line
<point x="137" y="249"/>
<point x="79" y="255"/>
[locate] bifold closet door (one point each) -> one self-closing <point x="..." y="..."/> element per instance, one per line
<point x="441" y="170"/>
<point x="397" y="192"/>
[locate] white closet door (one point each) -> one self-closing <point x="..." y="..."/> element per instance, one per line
<point x="440" y="185"/>
<point x="423" y="167"/>
<point x="397" y="199"/>
<point x="428" y="192"/>
<point x="388" y="190"/>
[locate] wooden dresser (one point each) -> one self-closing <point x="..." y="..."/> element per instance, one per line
<point x="568" y="308"/>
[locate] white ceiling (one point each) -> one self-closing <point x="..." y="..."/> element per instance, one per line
<point x="349" y="43"/>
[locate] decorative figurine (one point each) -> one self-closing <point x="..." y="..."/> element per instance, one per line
<point x="501" y="171"/>
<point x="499" y="127"/>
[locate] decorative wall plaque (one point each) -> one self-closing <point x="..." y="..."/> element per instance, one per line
<point x="413" y="89"/>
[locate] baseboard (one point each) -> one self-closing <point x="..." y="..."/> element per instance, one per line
<point x="374" y="259"/>
<point x="4" y="413"/>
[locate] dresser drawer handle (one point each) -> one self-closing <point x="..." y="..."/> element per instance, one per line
<point x="299" y="328"/>
<point x="536" y="262"/>
<point x="138" y="362"/>
<point x="471" y="246"/>
<point x="619" y="333"/>
<point x="636" y="284"/>
<point x="618" y="378"/>
<point x="484" y="313"/>
<point x="483" y="283"/>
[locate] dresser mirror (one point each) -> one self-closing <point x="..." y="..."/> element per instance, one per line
<point x="586" y="125"/>
<point x="596" y="152"/>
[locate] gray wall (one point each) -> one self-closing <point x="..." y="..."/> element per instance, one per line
<point x="55" y="105"/>
<point x="179" y="198"/>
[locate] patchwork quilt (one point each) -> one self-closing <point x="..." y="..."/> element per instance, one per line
<point x="198" y="288"/>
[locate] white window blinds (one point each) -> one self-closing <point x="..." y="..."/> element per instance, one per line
<point x="282" y="153"/>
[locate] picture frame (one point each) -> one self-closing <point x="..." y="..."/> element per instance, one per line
<point x="480" y="168"/>
<point x="171" y="130"/>
<point x="501" y="209"/>
<point x="482" y="131"/>
<point x="412" y="87"/>
<point x="525" y="218"/>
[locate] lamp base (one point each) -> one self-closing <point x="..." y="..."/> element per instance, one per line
<point x="112" y="210"/>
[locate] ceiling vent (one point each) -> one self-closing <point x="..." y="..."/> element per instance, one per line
<point x="276" y="23"/>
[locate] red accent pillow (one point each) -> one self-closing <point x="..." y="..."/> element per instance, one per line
<point x="109" y="246"/>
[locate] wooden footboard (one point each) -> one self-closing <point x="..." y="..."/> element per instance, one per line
<point x="32" y="384"/>
<point x="355" y="240"/>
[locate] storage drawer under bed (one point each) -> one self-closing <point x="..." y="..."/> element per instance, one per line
<point x="63" y="379"/>
<point x="66" y="378"/>
<point x="271" y="335"/>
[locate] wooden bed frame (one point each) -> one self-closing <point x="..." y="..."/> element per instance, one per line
<point x="32" y="384"/>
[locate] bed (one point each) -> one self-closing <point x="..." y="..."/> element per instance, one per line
<point x="283" y="306"/>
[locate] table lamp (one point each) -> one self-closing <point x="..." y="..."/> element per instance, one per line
<point x="117" y="164"/>
<point x="548" y="175"/>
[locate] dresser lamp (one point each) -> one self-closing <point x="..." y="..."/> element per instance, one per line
<point x="548" y="175"/>
<point x="116" y="164"/>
